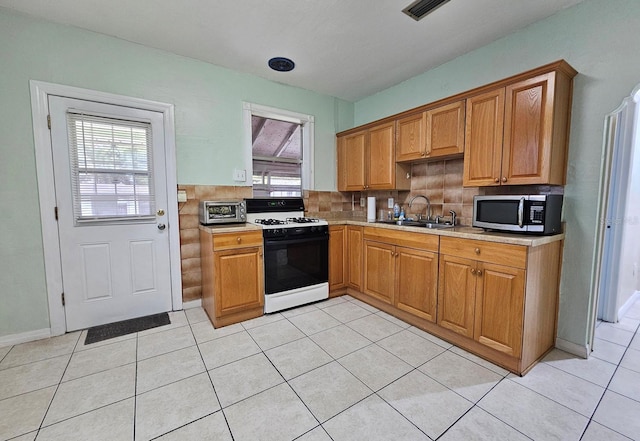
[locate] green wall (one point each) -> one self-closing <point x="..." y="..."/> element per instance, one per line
<point x="209" y="139"/>
<point x="600" y="39"/>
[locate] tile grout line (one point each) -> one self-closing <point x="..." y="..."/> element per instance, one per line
<point x="57" y="387"/>
<point x="224" y="415"/>
<point x="607" y="388"/>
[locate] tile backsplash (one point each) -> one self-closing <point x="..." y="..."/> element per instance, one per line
<point x="440" y="181"/>
<point x="190" y="233"/>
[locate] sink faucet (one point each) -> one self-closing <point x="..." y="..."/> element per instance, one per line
<point x="428" y="205"/>
<point x="453" y="217"/>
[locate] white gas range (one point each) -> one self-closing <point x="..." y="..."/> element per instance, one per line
<point x="296" y="252"/>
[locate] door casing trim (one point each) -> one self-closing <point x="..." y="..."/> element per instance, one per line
<point x="47" y="195"/>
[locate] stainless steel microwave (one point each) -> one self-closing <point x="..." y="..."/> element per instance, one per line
<point x="535" y="214"/>
<point x="222" y="212"/>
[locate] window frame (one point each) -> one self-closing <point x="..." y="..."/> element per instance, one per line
<point x="306" y="121"/>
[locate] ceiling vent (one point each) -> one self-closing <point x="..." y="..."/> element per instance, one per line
<point x="421" y="8"/>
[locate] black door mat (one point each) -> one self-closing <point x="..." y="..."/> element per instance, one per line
<point x="112" y="330"/>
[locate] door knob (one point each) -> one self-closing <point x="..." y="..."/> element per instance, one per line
<point x="160" y="212"/>
<point x="161" y="227"/>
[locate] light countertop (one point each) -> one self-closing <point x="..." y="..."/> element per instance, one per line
<point x="463" y="232"/>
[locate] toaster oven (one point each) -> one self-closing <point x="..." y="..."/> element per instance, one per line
<point x="222" y="212"/>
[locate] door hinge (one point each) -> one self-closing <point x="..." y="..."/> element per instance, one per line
<point x="49" y="121"/>
<point x="55" y="211"/>
<point x="62" y="296"/>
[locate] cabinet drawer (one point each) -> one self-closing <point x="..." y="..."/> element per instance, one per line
<point x="421" y="241"/>
<point x="500" y="253"/>
<point x="237" y="240"/>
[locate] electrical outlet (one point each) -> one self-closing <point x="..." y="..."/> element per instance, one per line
<point x="239" y="175"/>
<point x="182" y="196"/>
<point x="390" y="203"/>
<point x="363" y="202"/>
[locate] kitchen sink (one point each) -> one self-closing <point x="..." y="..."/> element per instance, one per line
<point x="422" y="224"/>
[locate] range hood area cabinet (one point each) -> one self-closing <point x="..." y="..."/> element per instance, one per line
<point x="518" y="134"/>
<point x="366" y="161"/>
<point x="511" y="132"/>
<point x="434" y="133"/>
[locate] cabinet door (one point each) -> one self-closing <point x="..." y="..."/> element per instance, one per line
<point x="483" y="139"/>
<point x="239" y="276"/>
<point x="354" y="257"/>
<point x="499" y="308"/>
<point x="379" y="270"/>
<point x="528" y="129"/>
<point x="456" y="294"/>
<point x="381" y="158"/>
<point x="445" y="130"/>
<point x="354" y="161"/>
<point x="337" y="263"/>
<point x="411" y="140"/>
<point x="417" y="282"/>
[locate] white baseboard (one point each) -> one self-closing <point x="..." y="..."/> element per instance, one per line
<point x="23" y="337"/>
<point x="192" y="304"/>
<point x="628" y="304"/>
<point x="572" y="348"/>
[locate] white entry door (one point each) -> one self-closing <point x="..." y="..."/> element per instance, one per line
<point x="109" y="167"/>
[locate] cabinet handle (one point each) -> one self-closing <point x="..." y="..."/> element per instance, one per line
<point x="496" y="180"/>
<point x="479" y="272"/>
<point x="504" y="179"/>
<point x="239" y="239"/>
<point x="477" y="251"/>
<point x="473" y="270"/>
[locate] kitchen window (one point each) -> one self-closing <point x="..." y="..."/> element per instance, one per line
<point x="281" y="145"/>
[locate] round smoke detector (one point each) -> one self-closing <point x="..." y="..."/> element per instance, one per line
<point x="281" y="64"/>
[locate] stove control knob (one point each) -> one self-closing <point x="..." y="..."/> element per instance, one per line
<point x="313" y="229"/>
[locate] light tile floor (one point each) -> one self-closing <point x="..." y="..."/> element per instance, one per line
<point x="336" y="370"/>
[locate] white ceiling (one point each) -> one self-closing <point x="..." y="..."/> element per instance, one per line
<point x="345" y="48"/>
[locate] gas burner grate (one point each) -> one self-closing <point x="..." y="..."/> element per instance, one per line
<point x="270" y="222"/>
<point x="302" y="220"/>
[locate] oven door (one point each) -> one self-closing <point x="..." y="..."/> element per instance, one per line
<point x="295" y="263"/>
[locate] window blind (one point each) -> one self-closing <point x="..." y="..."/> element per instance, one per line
<point x="111" y="168"/>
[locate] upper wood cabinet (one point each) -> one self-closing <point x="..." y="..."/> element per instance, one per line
<point x="366" y="161"/>
<point x="518" y="134"/>
<point x="483" y="140"/>
<point x="434" y="133"/>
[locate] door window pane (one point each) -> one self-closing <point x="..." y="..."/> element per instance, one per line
<point x="111" y="168"/>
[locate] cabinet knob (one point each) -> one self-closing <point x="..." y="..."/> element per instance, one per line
<point x="496" y="180"/>
<point x="423" y="154"/>
<point x="239" y="239"/>
<point x="477" y="251"/>
<point x="479" y="272"/>
<point x="473" y="270"/>
<point x="504" y="179"/>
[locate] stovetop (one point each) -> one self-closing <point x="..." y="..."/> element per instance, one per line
<point x="280" y="213"/>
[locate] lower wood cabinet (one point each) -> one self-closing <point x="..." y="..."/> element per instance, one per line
<point x="401" y="269"/>
<point x="232" y="276"/>
<point x="354" y="257"/>
<point x="497" y="300"/>
<point x="337" y="258"/>
<point x="483" y="301"/>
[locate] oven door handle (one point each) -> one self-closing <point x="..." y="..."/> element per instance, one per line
<point x="268" y="242"/>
